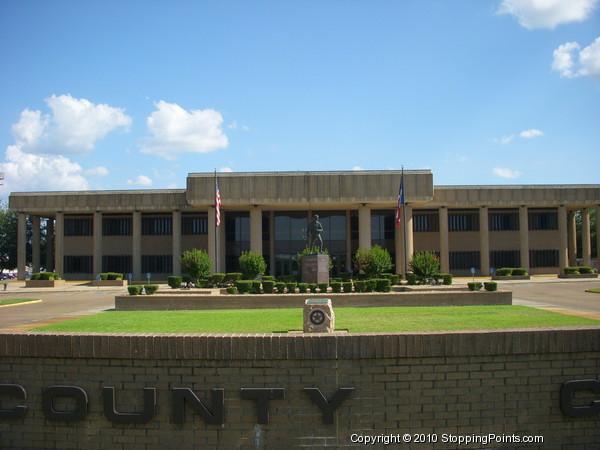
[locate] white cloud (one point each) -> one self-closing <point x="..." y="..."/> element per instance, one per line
<point x="27" y="172"/>
<point x="140" y="180"/>
<point x="357" y="168"/>
<point x="504" y="139"/>
<point x="73" y="127"/>
<point x="175" y="130"/>
<point x="571" y="63"/>
<point x="506" y="173"/>
<point x="533" y="14"/>
<point x="225" y="169"/>
<point x="100" y="171"/>
<point x="528" y="134"/>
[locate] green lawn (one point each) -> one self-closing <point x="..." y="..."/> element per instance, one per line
<point x="352" y="319"/>
<point x="594" y="290"/>
<point x="13" y="301"/>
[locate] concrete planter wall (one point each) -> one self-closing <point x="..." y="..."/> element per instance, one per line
<point x="511" y="277"/>
<point x="44" y="283"/>
<point x="109" y="283"/>
<point x="579" y="275"/>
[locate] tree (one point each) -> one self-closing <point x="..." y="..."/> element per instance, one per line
<point x="373" y="261"/>
<point x="425" y="265"/>
<point x="8" y="239"/>
<point x="196" y="263"/>
<point x="252" y="264"/>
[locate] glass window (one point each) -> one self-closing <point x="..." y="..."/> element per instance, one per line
<point x="157" y="225"/>
<point x="117" y="226"/>
<point x="467" y="220"/>
<point x="79" y="226"/>
<point x="543" y="220"/>
<point x="503" y="220"/>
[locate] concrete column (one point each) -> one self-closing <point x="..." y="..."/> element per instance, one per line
<point x="586" y="238"/>
<point x="212" y="237"/>
<point x="572" y="237"/>
<point x="50" y="244"/>
<point x="35" y="244"/>
<point x="364" y="227"/>
<point x="21" y="246"/>
<point x="97" y="268"/>
<point x="563" y="244"/>
<point x="410" y="248"/>
<point x="272" y="242"/>
<point x="59" y="241"/>
<point x="444" y="241"/>
<point x="137" y="245"/>
<point x="221" y="231"/>
<point x="524" y="236"/>
<point x="256" y="230"/>
<point x="348" y="267"/>
<point x="176" y="234"/>
<point x="484" y="240"/>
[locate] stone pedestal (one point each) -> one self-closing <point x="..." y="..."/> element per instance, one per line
<point x="318" y="316"/>
<point x="315" y="269"/>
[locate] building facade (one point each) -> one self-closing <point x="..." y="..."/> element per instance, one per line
<point x="145" y="231"/>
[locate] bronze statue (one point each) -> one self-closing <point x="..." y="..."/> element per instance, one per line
<point x="315" y="242"/>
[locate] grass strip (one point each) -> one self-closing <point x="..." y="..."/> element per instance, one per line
<point x="15" y="301"/>
<point x="356" y="320"/>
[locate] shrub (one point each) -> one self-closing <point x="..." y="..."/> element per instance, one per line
<point x="490" y="286"/>
<point x="383" y="285"/>
<point x="280" y="286"/>
<point x="504" y="272"/>
<point x="475" y="286"/>
<point x="302" y="288"/>
<point x="103" y="276"/>
<point x="113" y="276"/>
<point x="373" y="261"/>
<point x="518" y="272"/>
<point x="371" y="284"/>
<point x="256" y="287"/>
<point x="268" y="286"/>
<point x="312" y="287"/>
<point x="252" y="264"/>
<point x="174" y="281"/>
<point x="393" y="277"/>
<point x="231" y="290"/>
<point x="446" y="278"/>
<point x="49" y="276"/>
<point x="268" y="278"/>
<point x="35" y="276"/>
<point x="196" y="263"/>
<point x="323" y="287"/>
<point x="291" y="287"/>
<point x="243" y="286"/>
<point x="411" y="279"/>
<point x="360" y="285"/>
<point x="287" y="278"/>
<point x="346" y="276"/>
<point x="425" y="265"/>
<point x="571" y="270"/>
<point x="134" y="290"/>
<point x="347" y="286"/>
<point x="216" y="279"/>
<point x="232" y="277"/>
<point x="586" y="269"/>
<point x="151" y="288"/>
<point x="336" y="286"/>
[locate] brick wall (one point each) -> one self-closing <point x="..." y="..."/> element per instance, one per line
<point x="437" y="384"/>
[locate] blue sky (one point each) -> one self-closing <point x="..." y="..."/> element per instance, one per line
<point x="137" y="94"/>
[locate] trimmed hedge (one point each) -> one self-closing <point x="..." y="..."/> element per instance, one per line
<point x="268" y="286"/>
<point x="134" y="290"/>
<point x="411" y="279"/>
<point x="578" y="270"/>
<point x="323" y="287"/>
<point x="383" y="285"/>
<point x="336" y="286"/>
<point x="313" y="287"/>
<point x="347" y="286"/>
<point x="151" y="288"/>
<point x="243" y="286"/>
<point x="291" y="287"/>
<point x="504" y="272"/>
<point x="280" y="286"/>
<point x="231" y="290"/>
<point x="232" y="277"/>
<point x="508" y="272"/>
<point x="256" y="287"/>
<point x="519" y="272"/>
<point x="302" y="288"/>
<point x="216" y="279"/>
<point x="490" y="286"/>
<point x="446" y="278"/>
<point x="45" y="276"/>
<point x="360" y="285"/>
<point x="475" y="286"/>
<point x="174" y="281"/>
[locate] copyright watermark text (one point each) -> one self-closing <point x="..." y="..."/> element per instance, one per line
<point x="445" y="438"/>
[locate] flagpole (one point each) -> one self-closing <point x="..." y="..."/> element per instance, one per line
<point x="215" y="225"/>
<point x="404" y="224"/>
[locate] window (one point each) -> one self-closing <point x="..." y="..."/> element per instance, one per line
<point x="464" y="260"/>
<point x="543" y="258"/>
<point x="78" y="264"/>
<point x="157" y="225"/>
<point x="505" y="258"/>
<point x="507" y="220"/>
<point x="117" y="263"/>
<point x="157" y="264"/>
<point x="543" y="220"/>
<point x="79" y="226"/>
<point x="383" y="223"/>
<point x="463" y="220"/>
<point x="116" y="226"/>
<point x="426" y="221"/>
<point x="194" y="224"/>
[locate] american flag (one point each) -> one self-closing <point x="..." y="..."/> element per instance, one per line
<point x="400" y="202"/>
<point x="217" y="203"/>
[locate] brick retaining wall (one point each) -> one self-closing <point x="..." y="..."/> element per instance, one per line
<point x="469" y="383"/>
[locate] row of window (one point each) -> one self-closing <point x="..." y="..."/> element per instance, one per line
<point x="503" y="258"/>
<point x="498" y="221"/>
<point x="118" y="263"/>
<point x="123" y="226"/>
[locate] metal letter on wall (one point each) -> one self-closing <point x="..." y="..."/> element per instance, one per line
<point x="74" y="392"/>
<point x="262" y="397"/>
<point x="566" y="398"/>
<point x="183" y="395"/>
<point x="108" y="399"/>
<point x="328" y="407"/>
<point x="14" y="390"/>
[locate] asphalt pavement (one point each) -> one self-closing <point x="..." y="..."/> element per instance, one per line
<point x="77" y="299"/>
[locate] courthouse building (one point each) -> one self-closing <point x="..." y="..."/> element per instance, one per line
<point x="146" y="231"/>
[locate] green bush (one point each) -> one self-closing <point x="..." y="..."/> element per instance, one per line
<point x="336" y="286"/>
<point x="35" y="276"/>
<point x="268" y="286"/>
<point x="504" y="272"/>
<point x="291" y="287"/>
<point x="346" y="276"/>
<point x="519" y="272"/>
<point x="323" y="287"/>
<point x="360" y="285"/>
<point x="174" y="281"/>
<point x="371" y="284"/>
<point x="231" y="290"/>
<point x="252" y="264"/>
<point x="383" y="285"/>
<point x="134" y="290"/>
<point x="393" y="277"/>
<point x="347" y="286"/>
<point x="425" y="265"/>
<point x="585" y="269"/>
<point x="571" y="270"/>
<point x="232" y="277"/>
<point x="280" y="286"/>
<point x="446" y="278"/>
<point x="49" y="276"/>
<point x="313" y="287"/>
<point x="256" y="287"/>
<point x="243" y="286"/>
<point x="475" y="286"/>
<point x="490" y="286"/>
<point x="288" y="278"/>
<point x="411" y="279"/>
<point x="151" y="288"/>
<point x="373" y="261"/>
<point x="216" y="279"/>
<point x="268" y="278"/>
<point x="196" y="263"/>
<point x="302" y="288"/>
<point x="113" y="276"/>
<point x="104" y="276"/>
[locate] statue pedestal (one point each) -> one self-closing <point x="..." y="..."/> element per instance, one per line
<point x="315" y="269"/>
